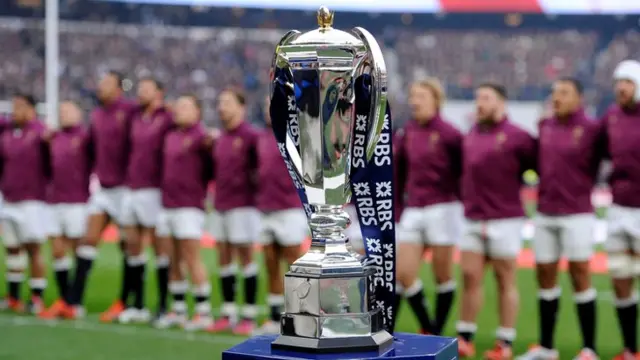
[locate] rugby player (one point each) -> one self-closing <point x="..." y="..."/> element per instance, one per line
<point x="495" y="154"/>
<point x="71" y="162"/>
<point x="186" y="172"/>
<point x="284" y="223"/>
<point x="236" y="221"/>
<point x="623" y="243"/>
<point x="25" y="172"/>
<point x="109" y="129"/>
<point x="141" y="203"/>
<point x="429" y="168"/>
<point x="569" y="154"/>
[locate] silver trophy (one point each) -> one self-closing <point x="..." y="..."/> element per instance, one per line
<point x="328" y="301"/>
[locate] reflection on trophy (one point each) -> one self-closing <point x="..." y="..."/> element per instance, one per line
<point x="330" y="304"/>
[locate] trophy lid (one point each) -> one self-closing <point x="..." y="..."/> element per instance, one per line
<point x="325" y="34"/>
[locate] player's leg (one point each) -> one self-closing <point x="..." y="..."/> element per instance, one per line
<point x="33" y="234"/>
<point x="244" y="231"/>
<point x="150" y="207"/>
<point x="289" y="229"/>
<point x="275" y="284"/>
<point x="546" y="246"/>
<point x="188" y="224"/>
<point x="136" y="258"/>
<point x="504" y="241"/>
<point x="178" y="285"/>
<point x="619" y="247"/>
<point x="16" y="262"/>
<point x="163" y="249"/>
<point x="60" y="247"/>
<point x="219" y="229"/>
<point x="472" y="264"/>
<point x="444" y="227"/>
<point x="411" y="250"/>
<point x="86" y="253"/>
<point x="577" y="241"/>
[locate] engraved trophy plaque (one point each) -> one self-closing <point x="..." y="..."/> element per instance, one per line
<point x="329" y="292"/>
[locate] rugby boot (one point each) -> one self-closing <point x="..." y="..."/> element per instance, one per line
<point x="133" y="315"/>
<point x="113" y="312"/>
<point x="500" y="351"/>
<point x="56" y="310"/>
<point x="537" y="352"/>
<point x="627" y="355"/>
<point x="36" y="305"/>
<point x="586" y="354"/>
<point x="170" y="320"/>
<point x="466" y="349"/>
<point x="74" y="312"/>
<point x="244" y="328"/>
<point x="12" y="304"/>
<point x="199" y="323"/>
<point x="220" y="325"/>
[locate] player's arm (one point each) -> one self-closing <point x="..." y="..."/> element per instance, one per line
<point x="128" y="127"/>
<point x="400" y="168"/>
<point x="90" y="147"/>
<point x="528" y="153"/>
<point x="252" y="156"/>
<point x="454" y="150"/>
<point x="45" y="152"/>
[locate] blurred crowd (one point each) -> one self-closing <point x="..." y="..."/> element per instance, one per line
<point x="207" y="59"/>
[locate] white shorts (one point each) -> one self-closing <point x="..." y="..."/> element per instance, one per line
<point x="497" y="239"/>
<point x="141" y="207"/>
<point x="624" y="229"/>
<point x="181" y="223"/>
<point x="285" y="227"/>
<point x="353" y="231"/>
<point x="568" y="235"/>
<point x="434" y="225"/>
<point x="239" y="226"/>
<point x="107" y="201"/>
<point x="68" y="220"/>
<point x="49" y="220"/>
<point x="23" y="223"/>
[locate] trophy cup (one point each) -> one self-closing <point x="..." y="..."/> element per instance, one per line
<point x="332" y="123"/>
<point x="329" y="295"/>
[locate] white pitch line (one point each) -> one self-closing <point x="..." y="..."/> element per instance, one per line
<point x="118" y="329"/>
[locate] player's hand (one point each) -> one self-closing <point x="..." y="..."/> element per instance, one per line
<point x="47" y="135"/>
<point x="215" y="133"/>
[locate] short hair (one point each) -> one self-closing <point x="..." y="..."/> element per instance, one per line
<point x="118" y="75"/>
<point x="238" y="94"/>
<point x="499" y="89"/>
<point x="435" y="87"/>
<point x="158" y="84"/>
<point x="28" y="98"/>
<point x="574" y="82"/>
<point x="196" y="100"/>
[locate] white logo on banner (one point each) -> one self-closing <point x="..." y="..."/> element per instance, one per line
<point x="294" y="126"/>
<point x="359" y="142"/>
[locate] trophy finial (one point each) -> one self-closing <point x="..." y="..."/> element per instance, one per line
<point x="325" y="17"/>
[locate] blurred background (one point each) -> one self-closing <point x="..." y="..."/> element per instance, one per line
<point x="525" y="44"/>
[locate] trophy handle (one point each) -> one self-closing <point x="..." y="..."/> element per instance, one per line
<point x="282" y="64"/>
<point x="378" y="72"/>
<point x="286" y="39"/>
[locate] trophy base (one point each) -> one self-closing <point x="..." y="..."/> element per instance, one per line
<point x="377" y="342"/>
<point x="405" y="346"/>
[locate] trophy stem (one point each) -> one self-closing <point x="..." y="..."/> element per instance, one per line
<point x="328" y="224"/>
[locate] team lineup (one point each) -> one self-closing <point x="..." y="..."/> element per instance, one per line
<point x="154" y="163"/>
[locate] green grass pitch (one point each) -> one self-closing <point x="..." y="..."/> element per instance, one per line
<point x="27" y="338"/>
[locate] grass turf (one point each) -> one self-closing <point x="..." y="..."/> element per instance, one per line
<point x="27" y="338"/>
